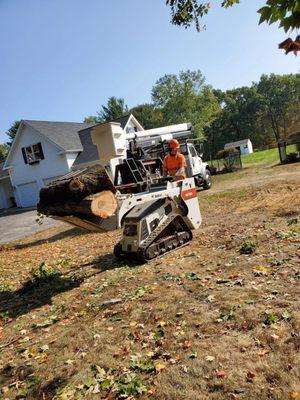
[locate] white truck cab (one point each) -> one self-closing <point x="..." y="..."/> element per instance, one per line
<point x="195" y="166"/>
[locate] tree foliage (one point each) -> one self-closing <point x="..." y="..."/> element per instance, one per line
<point x="114" y="109"/>
<point x="11" y="132"/>
<point x="91" y="119"/>
<point x="187" y="12"/>
<point x="280" y="102"/>
<point x="4" y="148"/>
<point x="286" y="12"/>
<point x="148" y="115"/>
<point x="169" y="86"/>
<point x="265" y="112"/>
<point x="185" y="98"/>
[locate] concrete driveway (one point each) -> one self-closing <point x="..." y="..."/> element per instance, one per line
<point x="18" y="223"/>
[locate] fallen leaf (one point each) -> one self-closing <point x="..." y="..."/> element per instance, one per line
<point x="159" y="367"/>
<point x="274" y="336"/>
<point x="221" y="374"/>
<point x="293" y="394"/>
<point x="209" y="358"/>
<point x="184" y="368"/>
<point x="186" y="344"/>
<point x="250" y="376"/>
<point x="234" y="275"/>
<point x="127" y="308"/>
<point x="45" y="347"/>
<point x="262" y="353"/>
<point x="96" y="389"/>
<point x="210" y="298"/>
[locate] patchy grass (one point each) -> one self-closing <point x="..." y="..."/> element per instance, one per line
<point x="265" y="157"/>
<point x="204" y="322"/>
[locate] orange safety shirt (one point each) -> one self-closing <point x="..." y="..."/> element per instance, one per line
<point x="172" y="164"/>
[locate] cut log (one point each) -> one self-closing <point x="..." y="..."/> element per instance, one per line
<point x="75" y="186"/>
<point x="103" y="204"/>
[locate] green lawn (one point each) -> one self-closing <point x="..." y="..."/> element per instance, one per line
<point x="270" y="156"/>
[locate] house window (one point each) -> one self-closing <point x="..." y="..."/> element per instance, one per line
<point x="33" y="154"/>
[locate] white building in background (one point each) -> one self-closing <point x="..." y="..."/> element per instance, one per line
<point x="244" y="146"/>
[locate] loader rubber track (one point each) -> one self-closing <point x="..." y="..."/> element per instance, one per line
<point x="167" y="237"/>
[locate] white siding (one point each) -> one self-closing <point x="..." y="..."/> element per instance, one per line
<point x="71" y="158"/>
<point x="245" y="146"/>
<point x="54" y="164"/>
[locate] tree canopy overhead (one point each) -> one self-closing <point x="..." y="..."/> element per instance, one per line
<point x="285" y="12"/>
<point x="187" y="12"/>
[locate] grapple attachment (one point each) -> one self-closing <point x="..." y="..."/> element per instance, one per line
<point x="84" y="198"/>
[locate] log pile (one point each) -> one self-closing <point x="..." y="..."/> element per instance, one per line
<point x="88" y="192"/>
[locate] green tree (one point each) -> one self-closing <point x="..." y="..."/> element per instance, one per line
<point x="185" y="98"/>
<point x="265" y="112"/>
<point x="91" y="119"/>
<point x="11" y="132"/>
<point x="240" y="110"/>
<point x="285" y="12"/>
<point x="114" y="109"/>
<point x="280" y="103"/>
<point x="186" y="12"/>
<point x="169" y="86"/>
<point x="148" y="115"/>
<point x="4" y="148"/>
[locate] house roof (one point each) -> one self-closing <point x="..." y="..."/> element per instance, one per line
<point x="90" y="151"/>
<point x="237" y="143"/>
<point x="63" y="134"/>
<point x="3" y="172"/>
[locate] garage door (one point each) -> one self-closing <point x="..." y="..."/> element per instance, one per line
<point x="29" y="194"/>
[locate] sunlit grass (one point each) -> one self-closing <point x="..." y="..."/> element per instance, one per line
<point x="270" y="156"/>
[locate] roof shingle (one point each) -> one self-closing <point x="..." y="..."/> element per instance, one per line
<point x="64" y="134"/>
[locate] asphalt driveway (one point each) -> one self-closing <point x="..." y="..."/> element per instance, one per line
<point x="18" y="223"/>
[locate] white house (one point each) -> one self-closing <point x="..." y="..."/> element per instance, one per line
<point x="244" y="146"/>
<point x="43" y="150"/>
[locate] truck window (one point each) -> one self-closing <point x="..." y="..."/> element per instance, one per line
<point x="193" y="152"/>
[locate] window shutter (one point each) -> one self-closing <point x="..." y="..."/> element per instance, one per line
<point x="41" y="151"/>
<point x="24" y="155"/>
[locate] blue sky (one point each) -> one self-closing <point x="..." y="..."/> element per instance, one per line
<point x="61" y="59"/>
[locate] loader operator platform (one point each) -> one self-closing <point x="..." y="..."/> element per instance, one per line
<point x="174" y="164"/>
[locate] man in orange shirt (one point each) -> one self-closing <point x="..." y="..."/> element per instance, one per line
<point x="174" y="164"/>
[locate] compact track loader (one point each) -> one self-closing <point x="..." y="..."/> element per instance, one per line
<point x="157" y="213"/>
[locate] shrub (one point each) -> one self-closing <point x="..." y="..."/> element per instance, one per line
<point x="247" y="247"/>
<point x="226" y="153"/>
